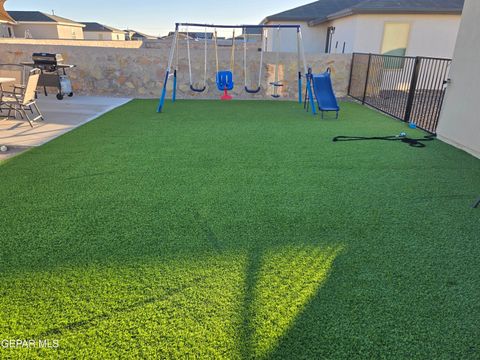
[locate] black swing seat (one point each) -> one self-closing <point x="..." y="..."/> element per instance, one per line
<point x="199" y="90"/>
<point x="276" y="84"/>
<point x="252" y="91"/>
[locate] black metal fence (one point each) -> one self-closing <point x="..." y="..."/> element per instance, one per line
<point x="411" y="89"/>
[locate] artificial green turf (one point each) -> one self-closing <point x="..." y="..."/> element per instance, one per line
<point x="240" y="230"/>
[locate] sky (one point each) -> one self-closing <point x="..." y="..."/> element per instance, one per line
<point x="157" y="17"/>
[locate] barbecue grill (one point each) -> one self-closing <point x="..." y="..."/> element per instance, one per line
<point x="53" y="73"/>
<point x="47" y="62"/>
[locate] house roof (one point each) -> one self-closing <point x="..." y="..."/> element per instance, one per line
<point x="37" y="16"/>
<point x="94" y="26"/>
<point x="181" y="36"/>
<point x="140" y="35"/>
<point x="308" y="12"/>
<point x="324" y="10"/>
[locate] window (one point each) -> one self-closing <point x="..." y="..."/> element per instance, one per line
<point x="100" y="36"/>
<point x="118" y="37"/>
<point x="74" y="34"/>
<point x="395" y="43"/>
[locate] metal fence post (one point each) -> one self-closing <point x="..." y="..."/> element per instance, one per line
<point x="351" y="74"/>
<point x="413" y="88"/>
<point x="366" y="80"/>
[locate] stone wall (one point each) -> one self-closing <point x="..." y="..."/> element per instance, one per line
<point x="72" y="42"/>
<point x="140" y="72"/>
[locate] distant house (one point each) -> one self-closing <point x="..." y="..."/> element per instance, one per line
<point x="253" y="31"/>
<point x="96" y="31"/>
<point x="402" y="27"/>
<point x="137" y="35"/>
<point x="194" y="35"/>
<point x="38" y="25"/>
<point x="180" y="37"/>
<point x="6" y="23"/>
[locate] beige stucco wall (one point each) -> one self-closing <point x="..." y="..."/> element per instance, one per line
<point x="430" y="35"/>
<point x="70" y="32"/>
<point x="48" y="31"/>
<point x="460" y="120"/>
<point x="118" y="36"/>
<point x="4" y="30"/>
<point x="314" y="38"/>
<point x="37" y="31"/>
<point x="140" y="72"/>
<point x="345" y="33"/>
<point x="103" y="35"/>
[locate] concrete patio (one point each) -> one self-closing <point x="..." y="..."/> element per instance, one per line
<point x="60" y="117"/>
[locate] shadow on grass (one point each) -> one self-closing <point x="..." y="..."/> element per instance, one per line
<point x="247" y="311"/>
<point x="266" y="288"/>
<point x="279" y="285"/>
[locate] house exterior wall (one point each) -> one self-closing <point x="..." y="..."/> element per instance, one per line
<point x="118" y="36"/>
<point x="345" y="33"/>
<point x="48" y="31"/>
<point x="38" y="31"/>
<point x="103" y="35"/>
<point x="430" y="35"/>
<point x="314" y="38"/>
<point x="70" y="32"/>
<point x="459" y="122"/>
<point x="95" y="35"/>
<point x="6" y="30"/>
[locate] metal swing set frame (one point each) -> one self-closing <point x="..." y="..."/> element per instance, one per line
<point x="301" y="60"/>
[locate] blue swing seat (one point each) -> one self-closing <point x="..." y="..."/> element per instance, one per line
<point x="225" y="80"/>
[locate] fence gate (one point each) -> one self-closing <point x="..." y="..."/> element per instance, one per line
<point x="411" y="89"/>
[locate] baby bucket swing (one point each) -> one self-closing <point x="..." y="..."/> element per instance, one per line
<point x="224" y="78"/>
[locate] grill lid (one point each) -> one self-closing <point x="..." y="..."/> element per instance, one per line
<point x="47" y="58"/>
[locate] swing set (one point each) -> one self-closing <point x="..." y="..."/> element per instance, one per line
<point x="224" y="77"/>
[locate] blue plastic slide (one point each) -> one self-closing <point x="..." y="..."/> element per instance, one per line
<point x="323" y="89"/>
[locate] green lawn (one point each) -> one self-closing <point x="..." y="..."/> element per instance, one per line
<point x="240" y="230"/>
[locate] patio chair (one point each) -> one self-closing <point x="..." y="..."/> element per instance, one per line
<point x="23" y="99"/>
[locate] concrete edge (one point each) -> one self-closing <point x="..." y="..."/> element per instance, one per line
<point x="110" y="108"/>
